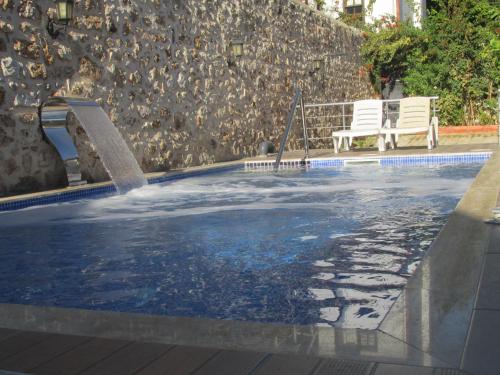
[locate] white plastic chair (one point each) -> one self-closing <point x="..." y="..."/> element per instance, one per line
<point x="414" y="117"/>
<point x="366" y="120"/>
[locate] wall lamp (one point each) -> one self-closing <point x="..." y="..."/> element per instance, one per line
<point x="64" y="15"/>
<point x="237" y="48"/>
<point x="235" y="52"/>
<point x="318" y="64"/>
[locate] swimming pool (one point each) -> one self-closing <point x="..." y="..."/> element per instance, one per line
<point x="329" y="246"/>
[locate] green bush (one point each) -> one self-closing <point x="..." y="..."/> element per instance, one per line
<point x="455" y="55"/>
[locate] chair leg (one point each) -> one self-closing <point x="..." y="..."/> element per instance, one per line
<point x="336" y="145"/>
<point x="346" y="143"/>
<point x="389" y="139"/>
<point x="430" y="138"/>
<point x="381" y="142"/>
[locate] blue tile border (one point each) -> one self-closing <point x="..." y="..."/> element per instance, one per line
<point x="436" y="159"/>
<point x="407" y="160"/>
<point x="65" y="196"/>
<point x="100" y="191"/>
<point x="404" y="160"/>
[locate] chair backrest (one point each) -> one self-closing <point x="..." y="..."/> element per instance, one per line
<point x="367" y="114"/>
<point x="414" y="112"/>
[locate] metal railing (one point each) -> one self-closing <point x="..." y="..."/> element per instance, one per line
<point x="297" y="99"/>
<point x="320" y="120"/>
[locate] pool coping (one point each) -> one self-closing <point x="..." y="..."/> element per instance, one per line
<point x="465" y="233"/>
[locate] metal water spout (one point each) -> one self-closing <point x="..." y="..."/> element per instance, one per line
<point x="111" y="148"/>
<point x="53" y="122"/>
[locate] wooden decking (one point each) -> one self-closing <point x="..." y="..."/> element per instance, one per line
<point x="55" y="354"/>
<point x="51" y="354"/>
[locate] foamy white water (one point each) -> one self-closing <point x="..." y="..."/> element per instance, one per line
<point x="110" y="146"/>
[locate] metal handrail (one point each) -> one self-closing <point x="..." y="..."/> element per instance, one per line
<point x="318" y="113"/>
<point x="291" y="115"/>
<point x="304" y="128"/>
<point x="331" y="104"/>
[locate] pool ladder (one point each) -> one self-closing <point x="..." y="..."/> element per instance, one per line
<point x="297" y="99"/>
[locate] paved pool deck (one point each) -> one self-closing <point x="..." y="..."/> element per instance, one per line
<point x="446" y="321"/>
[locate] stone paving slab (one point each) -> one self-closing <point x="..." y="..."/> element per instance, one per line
<point x="482" y="354"/>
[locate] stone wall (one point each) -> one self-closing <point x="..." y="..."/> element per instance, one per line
<point x="164" y="73"/>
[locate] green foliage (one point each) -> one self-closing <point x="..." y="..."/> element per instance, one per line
<point x="454" y="56"/>
<point x="387" y="48"/>
<point x="353" y="20"/>
<point x="319" y="4"/>
<point x="364" y="142"/>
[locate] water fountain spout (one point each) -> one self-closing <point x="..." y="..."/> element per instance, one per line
<point x="105" y="137"/>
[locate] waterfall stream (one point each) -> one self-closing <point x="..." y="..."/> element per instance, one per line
<point x="114" y="153"/>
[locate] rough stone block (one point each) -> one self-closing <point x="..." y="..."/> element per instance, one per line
<point x="27" y="27"/>
<point x="135" y="78"/>
<point x="28" y="117"/>
<point x="6" y="27"/>
<point x="23" y="100"/>
<point x="90" y="22"/>
<point x="110" y="25"/>
<point x="165" y="113"/>
<point x="89" y="69"/>
<point x="29" y="9"/>
<point x="37" y="70"/>
<point x="143" y="111"/>
<point x="63" y="52"/>
<point x="90" y="4"/>
<point x="6" y="4"/>
<point x="27" y="49"/>
<point x="9" y="66"/>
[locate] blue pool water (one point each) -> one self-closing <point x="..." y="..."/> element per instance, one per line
<point x="322" y="246"/>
